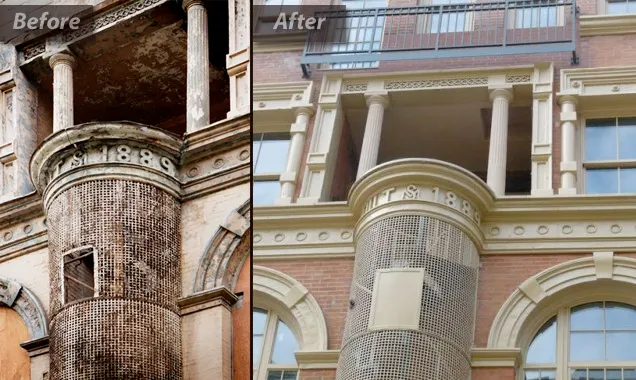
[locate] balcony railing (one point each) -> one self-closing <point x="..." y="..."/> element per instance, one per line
<point x="443" y="31"/>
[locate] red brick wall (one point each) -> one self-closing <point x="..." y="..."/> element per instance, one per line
<point x="241" y="324"/>
<point x="499" y="276"/>
<point x="318" y="374"/>
<point x="329" y="281"/>
<point x="493" y="374"/>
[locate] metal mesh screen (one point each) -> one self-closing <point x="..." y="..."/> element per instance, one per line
<point x="440" y="348"/>
<point x="132" y="330"/>
<point x="115" y="339"/>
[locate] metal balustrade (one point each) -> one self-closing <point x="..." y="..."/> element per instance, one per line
<point x="442" y="31"/>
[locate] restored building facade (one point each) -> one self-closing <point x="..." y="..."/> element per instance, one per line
<point x="125" y="211"/>
<point x="445" y="190"/>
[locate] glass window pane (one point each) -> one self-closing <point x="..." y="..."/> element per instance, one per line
<point x="265" y="192"/>
<point x="256" y="147"/>
<point x="600" y="140"/>
<point x="620" y="316"/>
<point x="273" y="154"/>
<point x="601" y="181"/>
<point x="548" y="375"/>
<point x="629" y="374"/>
<point x="533" y="375"/>
<point x="586" y="346"/>
<point x="621" y="346"/>
<point x="274" y="375"/>
<point x="285" y="345"/>
<point x="628" y="180"/>
<point x="587" y="317"/>
<point x="578" y="374"/>
<point x="627" y="137"/>
<point x="257" y="348"/>
<point x="542" y="350"/>
<point x="616" y="7"/>
<point x="259" y="317"/>
<point x="631" y="7"/>
<point x="613" y="374"/>
<point x="290" y="375"/>
<point x="596" y="374"/>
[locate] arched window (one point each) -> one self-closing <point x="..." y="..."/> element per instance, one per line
<point x="274" y="345"/>
<point x="593" y="341"/>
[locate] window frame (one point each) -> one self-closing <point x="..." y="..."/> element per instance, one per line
<point x="563" y="363"/>
<point x="261" y="371"/>
<point x="423" y="23"/>
<point x="355" y="65"/>
<point x="603" y="8"/>
<point x="80" y="250"/>
<point x="599" y="164"/>
<point x="560" y="18"/>
<point x="270" y="176"/>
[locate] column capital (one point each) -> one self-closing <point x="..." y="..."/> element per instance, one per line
<point x="377" y="97"/>
<point x="568" y="98"/>
<point x="303" y="110"/>
<point x="501" y="92"/>
<point x="62" y="58"/>
<point x="186" y="4"/>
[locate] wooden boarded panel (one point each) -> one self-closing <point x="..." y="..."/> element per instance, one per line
<point x="14" y="360"/>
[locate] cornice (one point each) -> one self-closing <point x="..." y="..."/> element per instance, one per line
<point x="19" y="209"/>
<point x="317" y="359"/>
<point x="207" y="299"/>
<point x="495" y="357"/>
<point x="600" y="25"/>
<point x="220" y="135"/>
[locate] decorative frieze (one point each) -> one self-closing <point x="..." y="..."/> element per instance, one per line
<point x="518" y="78"/>
<point x="432" y="83"/>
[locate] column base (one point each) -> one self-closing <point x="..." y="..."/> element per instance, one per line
<point x="567" y="191"/>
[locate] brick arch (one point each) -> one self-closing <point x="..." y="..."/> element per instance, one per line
<point x="222" y="260"/>
<point x="24" y="302"/>
<point x="602" y="275"/>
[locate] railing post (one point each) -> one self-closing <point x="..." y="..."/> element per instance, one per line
<point x="439" y="27"/>
<point x="375" y="25"/>
<point x="505" y="22"/>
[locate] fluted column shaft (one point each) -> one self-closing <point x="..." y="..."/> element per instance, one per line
<point x="372" y="132"/>
<point x="296" y="146"/>
<point x="198" y="101"/>
<point x="62" y="65"/>
<point x="497" y="154"/>
<point x="568" y="159"/>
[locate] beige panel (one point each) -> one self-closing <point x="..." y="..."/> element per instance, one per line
<point x="397" y="299"/>
<point x="206" y="339"/>
<point x="200" y="219"/>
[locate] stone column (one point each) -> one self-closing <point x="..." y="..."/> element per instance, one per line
<point x="568" y="160"/>
<point x="62" y="65"/>
<point x="296" y="146"/>
<point x="497" y="154"/>
<point x="377" y="102"/>
<point x="198" y="102"/>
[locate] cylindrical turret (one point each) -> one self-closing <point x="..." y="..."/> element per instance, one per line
<point x="111" y="197"/>
<point x="414" y="288"/>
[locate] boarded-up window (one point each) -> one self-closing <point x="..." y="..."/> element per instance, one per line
<point x="79" y="274"/>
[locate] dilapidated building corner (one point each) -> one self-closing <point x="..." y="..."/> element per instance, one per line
<point x="124" y="194"/>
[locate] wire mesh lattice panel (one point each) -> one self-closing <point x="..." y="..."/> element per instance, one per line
<point x="115" y="339"/>
<point x="132" y="331"/>
<point x="440" y="348"/>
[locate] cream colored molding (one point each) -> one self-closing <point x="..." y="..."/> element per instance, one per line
<point x="274" y="47"/>
<point x="274" y="104"/>
<point x="509" y="225"/>
<point x="600" y="25"/>
<point x="532" y="289"/>
<point x="601" y="88"/>
<point x="604" y="262"/>
<point x="541" y="153"/>
<point x="489" y="357"/>
<point x="317" y="359"/>
<point x="564" y="284"/>
<point x="276" y="291"/>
